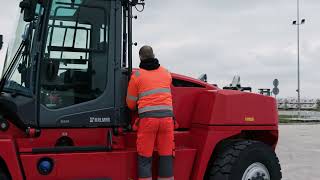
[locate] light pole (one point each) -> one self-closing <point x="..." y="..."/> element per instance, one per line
<point x="298" y="23"/>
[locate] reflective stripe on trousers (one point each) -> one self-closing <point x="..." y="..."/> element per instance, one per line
<point x="165" y="167"/>
<point x="144" y="167"/>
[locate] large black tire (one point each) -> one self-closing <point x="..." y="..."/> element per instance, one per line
<point x="3" y="175"/>
<point x="234" y="159"/>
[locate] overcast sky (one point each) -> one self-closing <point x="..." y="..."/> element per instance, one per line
<point x="223" y="38"/>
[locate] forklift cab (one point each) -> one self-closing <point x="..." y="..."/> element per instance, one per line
<point x="67" y="68"/>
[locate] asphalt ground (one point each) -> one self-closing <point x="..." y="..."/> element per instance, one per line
<point x="299" y="151"/>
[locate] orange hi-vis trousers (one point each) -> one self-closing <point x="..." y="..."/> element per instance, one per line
<point x="155" y="133"/>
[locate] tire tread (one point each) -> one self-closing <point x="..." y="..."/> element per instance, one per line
<point x="224" y="161"/>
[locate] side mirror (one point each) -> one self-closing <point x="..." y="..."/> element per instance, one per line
<point x="1" y="41"/>
<point x="29" y="9"/>
<point x="203" y="78"/>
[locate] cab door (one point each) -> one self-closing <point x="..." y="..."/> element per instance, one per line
<point x="77" y="71"/>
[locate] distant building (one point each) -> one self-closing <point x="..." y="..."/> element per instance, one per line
<point x="292" y="104"/>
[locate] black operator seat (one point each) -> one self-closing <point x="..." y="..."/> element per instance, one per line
<point x="49" y="73"/>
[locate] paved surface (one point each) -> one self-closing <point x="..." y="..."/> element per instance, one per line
<point x="299" y="152"/>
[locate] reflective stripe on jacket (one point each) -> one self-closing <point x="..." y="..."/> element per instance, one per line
<point x="150" y="92"/>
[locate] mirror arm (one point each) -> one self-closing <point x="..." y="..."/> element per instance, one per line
<point x="1" y="41"/>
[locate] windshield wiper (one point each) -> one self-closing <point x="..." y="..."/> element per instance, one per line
<point x="24" y="49"/>
<point x="12" y="63"/>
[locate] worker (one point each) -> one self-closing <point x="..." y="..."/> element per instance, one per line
<point x="149" y="93"/>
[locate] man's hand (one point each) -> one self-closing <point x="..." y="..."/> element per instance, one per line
<point x="135" y="124"/>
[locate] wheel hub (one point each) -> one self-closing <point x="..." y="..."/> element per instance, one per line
<point x="256" y="171"/>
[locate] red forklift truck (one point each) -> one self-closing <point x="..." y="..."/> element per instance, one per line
<point x="64" y="116"/>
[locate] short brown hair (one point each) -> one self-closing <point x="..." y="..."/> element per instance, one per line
<point x="146" y="52"/>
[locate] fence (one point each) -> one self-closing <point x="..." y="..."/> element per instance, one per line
<point x="292" y="104"/>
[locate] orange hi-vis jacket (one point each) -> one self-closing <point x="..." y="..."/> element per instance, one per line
<point x="150" y="92"/>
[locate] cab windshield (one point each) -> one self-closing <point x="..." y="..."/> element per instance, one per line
<point x="19" y="55"/>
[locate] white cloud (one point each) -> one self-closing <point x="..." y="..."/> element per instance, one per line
<point x="250" y="38"/>
<point x="254" y="39"/>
